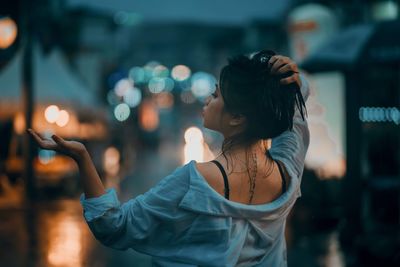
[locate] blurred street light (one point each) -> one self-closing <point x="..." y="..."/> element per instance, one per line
<point x="194" y="145"/>
<point x="51" y="113"/>
<point x="180" y="72"/>
<point x="122" y="112"/>
<point x="8" y="32"/>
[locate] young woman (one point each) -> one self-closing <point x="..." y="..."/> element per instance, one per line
<point x="227" y="212"/>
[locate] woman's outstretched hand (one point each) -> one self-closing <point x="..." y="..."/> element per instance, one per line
<point x="283" y="65"/>
<point x="74" y="149"/>
<point x="92" y="185"/>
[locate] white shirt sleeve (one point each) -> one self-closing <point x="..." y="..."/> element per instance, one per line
<point x="145" y="223"/>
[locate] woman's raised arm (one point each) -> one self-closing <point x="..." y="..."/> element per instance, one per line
<point x="291" y="146"/>
<point x="91" y="182"/>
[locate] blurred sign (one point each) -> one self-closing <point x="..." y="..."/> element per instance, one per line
<point x="309" y="26"/>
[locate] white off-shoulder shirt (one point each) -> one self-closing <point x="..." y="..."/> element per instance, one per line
<point x="183" y="221"/>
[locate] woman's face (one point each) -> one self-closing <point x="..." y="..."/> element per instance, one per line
<point x="214" y="116"/>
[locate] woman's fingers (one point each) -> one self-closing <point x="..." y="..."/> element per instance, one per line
<point x="42" y="142"/>
<point x="290" y="79"/>
<point x="276" y="62"/>
<point x="58" y="140"/>
<point x="282" y="65"/>
<point x="36" y="136"/>
<point x="287" y="68"/>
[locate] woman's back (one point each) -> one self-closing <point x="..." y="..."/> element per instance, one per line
<point x="269" y="183"/>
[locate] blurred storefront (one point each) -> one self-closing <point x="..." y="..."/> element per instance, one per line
<point x="63" y="106"/>
<point x="352" y="56"/>
<point x="368" y="57"/>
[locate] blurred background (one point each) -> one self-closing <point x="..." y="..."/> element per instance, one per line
<point x="129" y="78"/>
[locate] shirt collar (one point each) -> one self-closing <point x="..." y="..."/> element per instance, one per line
<point x="202" y="198"/>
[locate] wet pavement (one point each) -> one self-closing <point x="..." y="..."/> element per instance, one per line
<point x="52" y="232"/>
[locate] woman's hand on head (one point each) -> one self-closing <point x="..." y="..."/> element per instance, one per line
<point x="73" y="149"/>
<point x="284" y="65"/>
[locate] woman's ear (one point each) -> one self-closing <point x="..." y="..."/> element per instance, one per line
<point x="237" y="120"/>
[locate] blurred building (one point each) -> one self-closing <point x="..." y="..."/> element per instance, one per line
<point x="364" y="52"/>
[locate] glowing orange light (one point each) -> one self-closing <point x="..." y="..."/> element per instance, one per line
<point x="111" y="161"/>
<point x="8" y="32"/>
<point x="65" y="246"/>
<point x="164" y="100"/>
<point x="148" y="116"/>
<point x="19" y="123"/>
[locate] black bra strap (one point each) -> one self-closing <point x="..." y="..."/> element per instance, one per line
<point x="226" y="183"/>
<point x="283" y="177"/>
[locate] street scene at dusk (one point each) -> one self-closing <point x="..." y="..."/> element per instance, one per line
<point x="148" y="133"/>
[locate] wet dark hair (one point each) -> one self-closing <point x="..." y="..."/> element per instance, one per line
<point x="249" y="89"/>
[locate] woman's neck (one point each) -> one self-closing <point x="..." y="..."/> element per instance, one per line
<point x="241" y="153"/>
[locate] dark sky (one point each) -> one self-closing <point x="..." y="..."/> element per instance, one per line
<point x="209" y="11"/>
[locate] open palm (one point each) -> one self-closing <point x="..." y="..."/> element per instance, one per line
<point x="73" y="149"/>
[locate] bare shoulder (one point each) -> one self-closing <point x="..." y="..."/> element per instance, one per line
<point x="203" y="166"/>
<point x="211" y="174"/>
<point x="206" y="169"/>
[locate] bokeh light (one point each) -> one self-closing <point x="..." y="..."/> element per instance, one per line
<point x="193" y="134"/>
<point x="19" y="123"/>
<point x="132" y="97"/>
<point x="111" y="160"/>
<point x="137" y="75"/>
<point x="8" y="32"/>
<point x="122" y="112"/>
<point x="203" y="84"/>
<point x="148" y="116"/>
<point x="160" y="71"/>
<point x="46" y="156"/>
<point x="149" y="69"/>
<point x="180" y="72"/>
<point x="63" y="118"/>
<point x="156" y="85"/>
<point x="51" y="113"/>
<point x="187" y="97"/>
<point x="112" y="98"/>
<point x="379" y="114"/>
<point x="194" y="145"/>
<point x="164" y="100"/>
<point x="169" y="84"/>
<point x="122" y="86"/>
